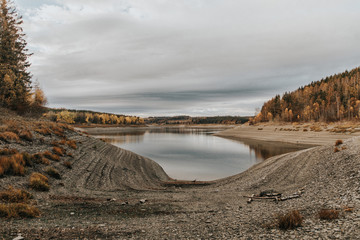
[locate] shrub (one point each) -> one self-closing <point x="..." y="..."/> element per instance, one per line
<point x="9" y="137"/>
<point x="328" y="214"/>
<point x="43" y="131"/>
<point x="72" y="144"/>
<point x="338" y="142"/>
<point x="28" y="159"/>
<point x="26" y="135"/>
<point x="51" y="156"/>
<point x="336" y="150"/>
<point x="12" y="165"/>
<point x="39" y="182"/>
<point x="53" y="173"/>
<point x="290" y="220"/>
<point x="39" y="158"/>
<point x="68" y="164"/>
<point x="12" y="195"/>
<point x="18" y="210"/>
<point x="7" y="151"/>
<point x="59" y="151"/>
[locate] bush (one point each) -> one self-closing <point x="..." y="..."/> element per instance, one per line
<point x="7" y="151"/>
<point x="68" y="164"/>
<point x="53" y="173"/>
<point x="39" y="182"/>
<point x="9" y="137"/>
<point x="26" y="135"/>
<point x="59" y="151"/>
<point x="43" y="131"/>
<point x="336" y="150"/>
<point x="290" y="220"/>
<point x="51" y="156"/>
<point x="12" y="195"/>
<point x="328" y="214"/>
<point x="39" y="158"/>
<point x="12" y="165"/>
<point x="72" y="144"/>
<point x="338" y="142"/>
<point x="18" y="210"/>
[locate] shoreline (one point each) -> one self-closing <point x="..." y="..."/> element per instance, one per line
<point x="289" y="134"/>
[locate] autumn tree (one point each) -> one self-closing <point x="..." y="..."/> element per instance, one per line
<point x="334" y="98"/>
<point x="15" y="79"/>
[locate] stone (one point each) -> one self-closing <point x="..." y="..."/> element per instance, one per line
<point x="19" y="237"/>
<point x="142" y="201"/>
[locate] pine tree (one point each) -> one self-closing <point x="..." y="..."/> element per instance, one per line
<point x="15" y="79"/>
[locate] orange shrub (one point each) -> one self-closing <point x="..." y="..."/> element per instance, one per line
<point x="290" y="220"/>
<point x="328" y="214"/>
<point x="43" y="131"/>
<point x="72" y="144"/>
<point x="12" y="165"/>
<point x="39" y="158"/>
<point x="53" y="173"/>
<point x="68" y="164"/>
<point x="338" y="142"/>
<point x="9" y="137"/>
<point x="12" y="195"/>
<point x="18" y="210"/>
<point x="59" y="151"/>
<point x="39" y="182"/>
<point x="336" y="150"/>
<point x="26" y="135"/>
<point x="51" y="156"/>
<point x="7" y="151"/>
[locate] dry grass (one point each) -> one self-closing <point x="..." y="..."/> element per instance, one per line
<point x="39" y="158"/>
<point x="9" y="137"/>
<point x="72" y="144"/>
<point x="39" y="182"/>
<point x="338" y="142"/>
<point x="315" y="128"/>
<point x="53" y="173"/>
<point x="12" y="195"/>
<point x="15" y="210"/>
<point x="43" y="131"/>
<point x="12" y="165"/>
<point x="51" y="156"/>
<point x="290" y="220"/>
<point x="7" y="151"/>
<point x="59" y="151"/>
<point x="68" y="164"/>
<point x="26" y="135"/>
<point x="328" y="214"/>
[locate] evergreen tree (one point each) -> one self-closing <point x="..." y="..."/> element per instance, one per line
<point x="15" y="79"/>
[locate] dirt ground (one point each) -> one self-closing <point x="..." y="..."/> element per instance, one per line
<point x="111" y="193"/>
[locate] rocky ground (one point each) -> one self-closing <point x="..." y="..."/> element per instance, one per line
<point x="111" y="193"/>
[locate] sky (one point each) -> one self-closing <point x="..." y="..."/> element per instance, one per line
<point x="185" y="57"/>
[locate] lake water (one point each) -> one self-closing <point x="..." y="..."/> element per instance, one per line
<point x="193" y="153"/>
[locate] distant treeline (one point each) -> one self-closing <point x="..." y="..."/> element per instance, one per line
<point x="187" y="120"/>
<point x="89" y="117"/>
<point x="334" y="98"/>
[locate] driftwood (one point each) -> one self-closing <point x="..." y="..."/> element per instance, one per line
<point x="273" y="196"/>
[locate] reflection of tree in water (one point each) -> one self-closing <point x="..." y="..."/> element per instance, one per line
<point x="123" y="137"/>
<point x="266" y="150"/>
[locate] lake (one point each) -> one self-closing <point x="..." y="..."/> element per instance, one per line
<point x="193" y="153"/>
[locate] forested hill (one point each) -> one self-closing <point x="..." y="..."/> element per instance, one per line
<point x="334" y="98"/>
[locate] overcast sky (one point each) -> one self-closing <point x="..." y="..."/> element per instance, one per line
<point x="194" y="57"/>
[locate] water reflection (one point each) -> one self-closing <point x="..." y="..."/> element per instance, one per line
<point x="193" y="153"/>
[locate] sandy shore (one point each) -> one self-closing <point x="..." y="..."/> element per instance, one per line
<point x="294" y="134"/>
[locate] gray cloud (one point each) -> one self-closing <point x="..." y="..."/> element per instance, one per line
<point x="197" y="57"/>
